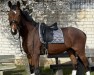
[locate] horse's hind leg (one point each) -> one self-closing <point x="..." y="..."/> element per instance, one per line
<point x="84" y="61"/>
<point x="74" y="61"/>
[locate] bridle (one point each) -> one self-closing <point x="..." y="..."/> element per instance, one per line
<point x="13" y="21"/>
<point x="17" y="24"/>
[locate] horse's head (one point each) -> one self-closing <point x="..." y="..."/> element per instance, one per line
<point x="14" y="16"/>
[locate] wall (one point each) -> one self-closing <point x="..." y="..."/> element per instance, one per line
<point x="76" y="13"/>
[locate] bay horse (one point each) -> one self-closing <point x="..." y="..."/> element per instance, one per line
<point x="75" y="40"/>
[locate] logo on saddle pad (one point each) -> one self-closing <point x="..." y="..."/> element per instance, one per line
<point x="50" y="34"/>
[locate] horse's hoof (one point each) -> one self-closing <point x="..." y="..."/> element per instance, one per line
<point x="88" y="73"/>
<point x="37" y="71"/>
<point x="32" y="74"/>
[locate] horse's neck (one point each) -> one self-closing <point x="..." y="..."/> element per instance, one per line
<point x="26" y="27"/>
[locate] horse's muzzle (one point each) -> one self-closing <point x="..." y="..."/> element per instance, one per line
<point x="13" y="32"/>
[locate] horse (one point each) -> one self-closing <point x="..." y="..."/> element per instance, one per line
<point x="75" y="40"/>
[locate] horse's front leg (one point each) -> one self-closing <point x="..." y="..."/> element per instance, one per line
<point x="31" y="67"/>
<point x="35" y="62"/>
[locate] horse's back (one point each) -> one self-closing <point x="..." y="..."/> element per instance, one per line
<point x="74" y="32"/>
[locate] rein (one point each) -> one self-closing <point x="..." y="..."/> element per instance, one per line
<point x="20" y="45"/>
<point x="18" y="35"/>
<point x="19" y="42"/>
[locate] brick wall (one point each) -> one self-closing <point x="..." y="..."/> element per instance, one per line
<point x="86" y="23"/>
<point x="8" y="45"/>
<point x="65" y="13"/>
<point x="79" y="14"/>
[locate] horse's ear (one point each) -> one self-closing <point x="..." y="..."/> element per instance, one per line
<point x="9" y="4"/>
<point x="18" y="4"/>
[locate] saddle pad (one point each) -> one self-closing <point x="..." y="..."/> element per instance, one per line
<point x="57" y="36"/>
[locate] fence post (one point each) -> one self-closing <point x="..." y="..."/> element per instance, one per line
<point x="58" y="71"/>
<point x="1" y="72"/>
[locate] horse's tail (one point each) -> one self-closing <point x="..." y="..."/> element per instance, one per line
<point x="85" y="35"/>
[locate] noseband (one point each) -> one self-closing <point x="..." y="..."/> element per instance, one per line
<point x="13" y="21"/>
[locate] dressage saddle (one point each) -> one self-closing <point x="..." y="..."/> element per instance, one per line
<point x="47" y="32"/>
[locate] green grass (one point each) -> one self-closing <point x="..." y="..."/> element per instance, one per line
<point x="47" y="71"/>
<point x="66" y="71"/>
<point x="20" y="70"/>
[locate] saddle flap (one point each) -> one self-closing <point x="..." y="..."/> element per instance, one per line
<point x="46" y="32"/>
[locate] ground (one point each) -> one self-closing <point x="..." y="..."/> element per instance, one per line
<point x="44" y="71"/>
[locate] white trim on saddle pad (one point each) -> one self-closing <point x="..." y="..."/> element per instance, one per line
<point x="57" y="36"/>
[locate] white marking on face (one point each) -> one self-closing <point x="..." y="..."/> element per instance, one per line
<point x="14" y="11"/>
<point x="13" y="30"/>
